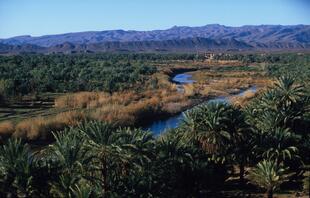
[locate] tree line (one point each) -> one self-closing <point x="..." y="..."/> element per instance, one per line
<point x="32" y="74"/>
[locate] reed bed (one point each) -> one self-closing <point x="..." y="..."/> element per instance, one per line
<point x="41" y="127"/>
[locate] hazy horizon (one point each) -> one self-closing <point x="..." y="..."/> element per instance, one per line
<point x="153" y="29"/>
<point x="37" y="18"/>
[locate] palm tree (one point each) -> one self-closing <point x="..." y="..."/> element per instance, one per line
<point x="209" y="125"/>
<point x="269" y="120"/>
<point x="119" y="153"/>
<point x="291" y="102"/>
<point x="174" y="158"/>
<point x="97" y="133"/>
<point x="138" y="142"/>
<point x="73" y="157"/>
<point x="280" y="106"/>
<point x="138" y="149"/>
<point x="16" y="168"/>
<point x="171" y="146"/>
<point x="288" y="91"/>
<point x="279" y="145"/>
<point x="191" y="122"/>
<point x="267" y="175"/>
<point x="100" y="138"/>
<point x="181" y="167"/>
<point x="242" y="142"/>
<point x="84" y="190"/>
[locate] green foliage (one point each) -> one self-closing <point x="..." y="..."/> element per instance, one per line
<point x="279" y="123"/>
<point x="279" y="145"/>
<point x="267" y="175"/>
<point x="6" y="90"/>
<point x="211" y="126"/>
<point x="16" y="169"/>
<point x="73" y="158"/>
<point x="183" y="168"/>
<point x="25" y="74"/>
<point x="281" y="106"/>
<point x="99" y="160"/>
<point x="83" y="191"/>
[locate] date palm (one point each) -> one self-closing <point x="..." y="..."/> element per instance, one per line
<point x="289" y="102"/>
<point x="73" y="157"/>
<point x="288" y="91"/>
<point x="16" y="169"/>
<point x="98" y="133"/>
<point x="209" y="125"/>
<point x="191" y="122"/>
<point x="281" y="106"/>
<point x="171" y="146"/>
<point x="101" y="138"/>
<point x="138" y="142"/>
<point x="85" y="190"/>
<point x="119" y="153"/>
<point x="268" y="175"/>
<point x="279" y="145"/>
<point x="139" y="149"/>
<point x="173" y="160"/>
<point x="241" y="141"/>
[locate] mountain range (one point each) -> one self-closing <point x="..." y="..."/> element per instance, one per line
<point x="212" y="37"/>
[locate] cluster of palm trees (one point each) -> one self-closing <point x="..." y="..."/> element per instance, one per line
<point x="268" y="141"/>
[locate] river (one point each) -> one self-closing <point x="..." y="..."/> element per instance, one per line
<point x="159" y="126"/>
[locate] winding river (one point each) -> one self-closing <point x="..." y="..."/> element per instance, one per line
<point x="159" y="126"/>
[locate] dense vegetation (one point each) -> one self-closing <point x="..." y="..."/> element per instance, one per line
<point x="266" y="142"/>
<point x="100" y="160"/>
<point x="26" y="74"/>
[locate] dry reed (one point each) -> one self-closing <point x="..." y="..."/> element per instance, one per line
<point x="6" y="128"/>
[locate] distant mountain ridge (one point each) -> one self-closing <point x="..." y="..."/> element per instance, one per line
<point x="178" y="38"/>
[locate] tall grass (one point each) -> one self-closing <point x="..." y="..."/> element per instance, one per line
<point x="80" y="100"/>
<point x="128" y="114"/>
<point x="126" y="108"/>
<point x="6" y="129"/>
<point x="241" y="101"/>
<point x="189" y="89"/>
<point x="226" y="86"/>
<point x="123" y="108"/>
<point x="39" y="127"/>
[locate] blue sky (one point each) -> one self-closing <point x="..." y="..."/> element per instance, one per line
<point x="41" y="17"/>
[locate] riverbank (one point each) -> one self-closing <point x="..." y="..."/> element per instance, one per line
<point x="166" y="122"/>
<point x="218" y="83"/>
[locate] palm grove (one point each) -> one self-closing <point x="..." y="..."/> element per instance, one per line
<point x="268" y="140"/>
